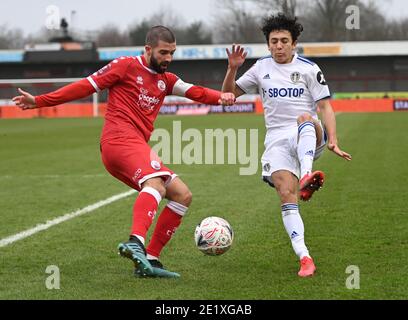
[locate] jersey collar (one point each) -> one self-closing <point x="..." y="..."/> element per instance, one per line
<point x="144" y="64"/>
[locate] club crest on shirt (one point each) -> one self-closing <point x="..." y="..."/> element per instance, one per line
<point x="295" y="77"/>
<point x="139" y="80"/>
<point x="161" y="85"/>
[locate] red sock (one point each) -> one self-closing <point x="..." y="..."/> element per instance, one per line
<point x="144" y="211"/>
<point x="169" y="220"/>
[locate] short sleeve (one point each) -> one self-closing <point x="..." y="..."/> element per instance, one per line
<point x="248" y="82"/>
<point x="110" y="74"/>
<point x="317" y="84"/>
<point x="171" y="81"/>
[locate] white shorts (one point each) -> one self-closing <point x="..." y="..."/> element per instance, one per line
<point x="281" y="152"/>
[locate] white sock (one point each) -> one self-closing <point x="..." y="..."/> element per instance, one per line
<point x="140" y="238"/>
<point x="306" y="147"/>
<point x="150" y="257"/>
<point x="294" y="227"/>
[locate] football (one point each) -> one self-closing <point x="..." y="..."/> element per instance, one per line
<point x="213" y="236"/>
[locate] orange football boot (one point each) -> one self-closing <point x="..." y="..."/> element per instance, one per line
<point x="307" y="267"/>
<point x="310" y="183"/>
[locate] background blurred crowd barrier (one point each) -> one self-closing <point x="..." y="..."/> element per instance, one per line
<point x="87" y="109"/>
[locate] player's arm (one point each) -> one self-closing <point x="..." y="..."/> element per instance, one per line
<point x="210" y="96"/>
<point x="200" y="94"/>
<point x="329" y="121"/>
<point x="236" y="58"/>
<point x="106" y="77"/>
<point x="73" y="91"/>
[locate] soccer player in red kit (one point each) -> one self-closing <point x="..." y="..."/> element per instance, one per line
<point x="137" y="87"/>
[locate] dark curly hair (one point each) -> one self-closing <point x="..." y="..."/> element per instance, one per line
<point x="281" y="22"/>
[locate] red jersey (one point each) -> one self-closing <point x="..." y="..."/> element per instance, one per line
<point x="136" y="94"/>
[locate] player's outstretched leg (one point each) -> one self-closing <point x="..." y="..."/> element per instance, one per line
<point x="167" y="224"/>
<point x="144" y="211"/>
<point x="309" y="133"/>
<point x="180" y="198"/>
<point x="306" y="147"/>
<point x="135" y="251"/>
<point x="310" y="183"/>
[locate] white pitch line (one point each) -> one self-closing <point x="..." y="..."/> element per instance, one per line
<point x="29" y="232"/>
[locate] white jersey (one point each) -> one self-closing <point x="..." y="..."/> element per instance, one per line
<point x="287" y="90"/>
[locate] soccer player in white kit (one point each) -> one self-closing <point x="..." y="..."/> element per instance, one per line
<point x="292" y="88"/>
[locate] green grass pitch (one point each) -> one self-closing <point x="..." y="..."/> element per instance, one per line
<point x="52" y="167"/>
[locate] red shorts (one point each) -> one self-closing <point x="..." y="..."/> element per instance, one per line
<point x="132" y="161"/>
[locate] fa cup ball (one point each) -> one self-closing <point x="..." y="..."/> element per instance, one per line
<point x="213" y="236"/>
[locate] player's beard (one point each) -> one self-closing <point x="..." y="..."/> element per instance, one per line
<point x="158" y="67"/>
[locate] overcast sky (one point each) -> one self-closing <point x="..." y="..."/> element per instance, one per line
<point x="31" y="15"/>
